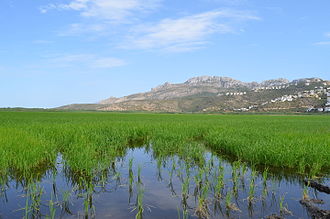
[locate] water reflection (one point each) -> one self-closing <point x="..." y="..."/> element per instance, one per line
<point x="143" y="184"/>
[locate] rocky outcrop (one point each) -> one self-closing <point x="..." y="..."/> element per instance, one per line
<point x="215" y="81"/>
<point x="274" y="82"/>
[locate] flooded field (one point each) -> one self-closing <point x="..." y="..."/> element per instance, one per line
<point x="160" y="187"/>
<point x="107" y="165"/>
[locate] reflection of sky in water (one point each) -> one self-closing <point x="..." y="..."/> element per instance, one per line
<point x="159" y="201"/>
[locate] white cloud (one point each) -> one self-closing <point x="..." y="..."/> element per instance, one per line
<point x="110" y="10"/>
<point x="107" y="62"/>
<point x="229" y="2"/>
<point x="87" y="60"/>
<point x="322" y="43"/>
<point x="186" y="33"/>
<point x="169" y="34"/>
<point x="81" y="28"/>
<point x="42" y="42"/>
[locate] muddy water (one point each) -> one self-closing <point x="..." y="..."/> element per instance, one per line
<point x="160" y="185"/>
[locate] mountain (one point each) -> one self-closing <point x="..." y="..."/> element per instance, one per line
<point x="220" y="94"/>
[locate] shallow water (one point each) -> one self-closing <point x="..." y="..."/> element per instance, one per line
<point x="111" y="197"/>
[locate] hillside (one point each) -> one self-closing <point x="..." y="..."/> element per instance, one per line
<point x="221" y="94"/>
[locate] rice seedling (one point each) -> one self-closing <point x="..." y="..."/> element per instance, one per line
<point x="172" y="169"/>
<point x="235" y="177"/>
<point x="36" y="192"/>
<point x="65" y="204"/>
<point x="185" y="214"/>
<point x="228" y="202"/>
<point x="284" y="209"/>
<point x="220" y="183"/>
<point x="252" y="186"/>
<point x="198" y="182"/>
<point x="281" y="202"/>
<point x="130" y="179"/>
<point x="185" y="193"/>
<point x="159" y="169"/>
<point x="264" y="183"/>
<point x="202" y="209"/>
<point x="51" y="206"/>
<point x="185" y="188"/>
<point x="139" y="205"/>
<point x="228" y="199"/>
<point x="139" y="180"/>
<point x="305" y="195"/>
<point x="89" y="208"/>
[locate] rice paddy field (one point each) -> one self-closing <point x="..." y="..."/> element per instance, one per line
<point x="131" y="165"/>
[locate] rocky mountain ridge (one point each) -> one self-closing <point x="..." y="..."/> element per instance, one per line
<point x="202" y="84"/>
<point x="217" y="94"/>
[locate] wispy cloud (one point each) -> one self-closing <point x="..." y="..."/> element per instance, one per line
<point x="169" y="34"/>
<point x="229" y="2"/>
<point x="322" y="43"/>
<point x="43" y="42"/>
<point x="78" y="29"/>
<point x="186" y="33"/>
<point x="325" y="42"/>
<point x="107" y="62"/>
<point x="110" y="10"/>
<point x="87" y="60"/>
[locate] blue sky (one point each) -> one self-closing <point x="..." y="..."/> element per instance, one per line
<point x="79" y="51"/>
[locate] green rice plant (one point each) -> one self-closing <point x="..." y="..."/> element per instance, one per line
<point x="235" y="170"/>
<point x="284" y="209"/>
<point x="185" y="188"/>
<point x="305" y="195"/>
<point x="33" y="194"/>
<point x="198" y="181"/>
<point x="51" y="206"/>
<point x="220" y="183"/>
<point x="185" y="214"/>
<point x="252" y="186"/>
<point x="202" y="209"/>
<point x="65" y="204"/>
<point x="27" y="208"/>
<point x="172" y="169"/>
<point x="228" y="199"/>
<point x="281" y="202"/>
<point x="187" y="169"/>
<point x="265" y="176"/>
<point x="139" y="176"/>
<point x="130" y="179"/>
<point x="264" y="183"/>
<point x="228" y="202"/>
<point x="185" y="193"/>
<point x="36" y="192"/>
<point x="159" y="169"/>
<point x="244" y="169"/>
<point x="139" y="208"/>
<point x="139" y="199"/>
